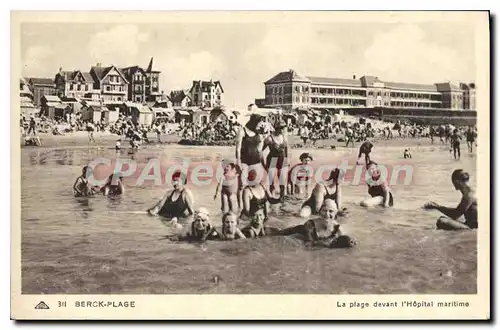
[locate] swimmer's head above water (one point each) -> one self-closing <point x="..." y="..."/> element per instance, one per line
<point x="459" y="178"/>
<point x="178" y="180"/>
<point x="306" y="158"/>
<point x="201" y="220"/>
<point x="258" y="219"/>
<point x="329" y="210"/>
<point x="85" y="170"/>
<point x="229" y="225"/>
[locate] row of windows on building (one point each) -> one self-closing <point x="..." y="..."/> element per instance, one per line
<point x="354" y="92"/>
<point x="115" y="88"/>
<point x="286" y="100"/>
<point x="79" y="87"/>
<point x="281" y="89"/>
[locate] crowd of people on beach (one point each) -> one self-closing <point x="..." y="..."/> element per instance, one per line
<point x="245" y="197"/>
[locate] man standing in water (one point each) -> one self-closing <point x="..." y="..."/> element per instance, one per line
<point x="470" y="136"/>
<point x="467" y="206"/>
<point x="455" y="143"/>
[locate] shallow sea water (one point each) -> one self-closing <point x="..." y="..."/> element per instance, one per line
<point x="80" y="245"/>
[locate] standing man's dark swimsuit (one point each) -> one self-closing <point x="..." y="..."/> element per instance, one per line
<point x="250" y="154"/>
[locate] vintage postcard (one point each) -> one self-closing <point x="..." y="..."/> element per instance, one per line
<point x="250" y="165"/>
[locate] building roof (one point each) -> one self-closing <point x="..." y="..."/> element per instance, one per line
<point x="413" y="87"/>
<point x="71" y="75"/>
<point x="131" y="70"/>
<point x="336" y="81"/>
<point x="183" y="112"/>
<point x="91" y="103"/>
<point x="53" y="104"/>
<point x="167" y="110"/>
<point x="69" y="99"/>
<point x="101" y="108"/>
<point x="51" y="98"/>
<point x="150" y="68"/>
<point x="41" y="81"/>
<point x="446" y="87"/>
<point x="142" y="108"/>
<point x="205" y="85"/>
<point x="178" y="96"/>
<point x="99" y="72"/>
<point x="285" y="76"/>
<point x="368" y="81"/>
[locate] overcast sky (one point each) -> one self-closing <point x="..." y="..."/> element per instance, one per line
<point x="244" y="55"/>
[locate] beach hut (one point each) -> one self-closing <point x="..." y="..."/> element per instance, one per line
<point x="163" y="114"/>
<point x="201" y="117"/>
<point x="112" y="115"/>
<point x="182" y="116"/>
<point x="141" y="115"/>
<point x="95" y="113"/>
<point x="49" y="103"/>
<point x="27" y="106"/>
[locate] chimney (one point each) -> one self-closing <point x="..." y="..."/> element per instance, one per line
<point x="354" y="76"/>
<point x="98" y="65"/>
<point x="60" y="69"/>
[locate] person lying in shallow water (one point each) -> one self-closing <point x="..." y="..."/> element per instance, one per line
<point x="467" y="206"/>
<point x="324" y="230"/>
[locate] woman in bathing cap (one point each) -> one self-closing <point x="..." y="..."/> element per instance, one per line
<point x="467" y="206"/>
<point x="177" y="203"/>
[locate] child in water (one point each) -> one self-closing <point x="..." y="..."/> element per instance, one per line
<point x="118" y="145"/>
<point x="113" y="186"/>
<point x="324" y="230"/>
<point x="299" y="175"/>
<point x="378" y="189"/>
<point x="257" y="227"/>
<point x="407" y="154"/>
<point x="82" y="187"/>
<point x="231" y="186"/>
<point x="230" y="230"/>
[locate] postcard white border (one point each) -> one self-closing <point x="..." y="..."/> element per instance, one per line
<point x="263" y="306"/>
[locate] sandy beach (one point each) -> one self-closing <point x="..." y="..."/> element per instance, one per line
<point x="106" y="139"/>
